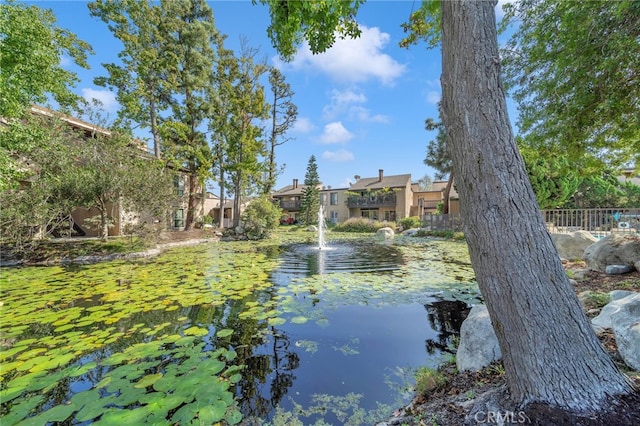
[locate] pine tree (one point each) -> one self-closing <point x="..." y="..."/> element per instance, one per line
<point x="311" y="192"/>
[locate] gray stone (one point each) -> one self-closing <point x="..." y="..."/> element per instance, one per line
<point x="613" y="250"/>
<point x="628" y="341"/>
<point x="385" y="233"/>
<point x="572" y="246"/>
<point x="410" y="232"/>
<point x="618" y="269"/>
<point x="312" y="228"/>
<point x="637" y="265"/>
<point x="623" y="317"/>
<point x="620" y="294"/>
<point x="478" y="342"/>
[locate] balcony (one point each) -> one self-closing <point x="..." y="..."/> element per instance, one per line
<point x="290" y="205"/>
<point x="386" y="200"/>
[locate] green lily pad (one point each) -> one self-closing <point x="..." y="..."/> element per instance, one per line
<point x="225" y="332"/>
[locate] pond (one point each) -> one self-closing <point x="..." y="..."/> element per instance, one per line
<point x="245" y="332"/>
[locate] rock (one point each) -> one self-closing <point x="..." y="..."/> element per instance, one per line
<point x="623" y="317"/>
<point x="620" y="294"/>
<point x="572" y="246"/>
<point x="628" y="341"/>
<point x="312" y="228"/>
<point x="385" y="233"/>
<point x="478" y="342"/>
<point x="637" y="265"/>
<point x="613" y="250"/>
<point x="410" y="232"/>
<point x="618" y="269"/>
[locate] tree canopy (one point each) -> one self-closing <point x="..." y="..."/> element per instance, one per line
<point x="573" y="67"/>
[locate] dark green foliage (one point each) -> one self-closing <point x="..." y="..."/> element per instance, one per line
<point x="572" y="68"/>
<point x="311" y="193"/>
<point x="362" y="224"/>
<point x="261" y="217"/>
<point x="410" y="222"/>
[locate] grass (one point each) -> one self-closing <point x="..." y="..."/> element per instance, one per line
<point x="428" y="379"/>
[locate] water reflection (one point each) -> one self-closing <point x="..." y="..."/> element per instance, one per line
<point x="445" y="317"/>
<point x="307" y="260"/>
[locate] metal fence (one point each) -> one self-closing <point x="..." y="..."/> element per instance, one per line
<point x="442" y="222"/>
<point x="600" y="222"/>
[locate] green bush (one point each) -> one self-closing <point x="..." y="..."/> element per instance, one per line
<point x="410" y="222"/>
<point x="428" y="379"/>
<point x="362" y="224"/>
<point x="260" y="218"/>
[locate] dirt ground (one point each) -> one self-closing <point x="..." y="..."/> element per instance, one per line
<point x="451" y="404"/>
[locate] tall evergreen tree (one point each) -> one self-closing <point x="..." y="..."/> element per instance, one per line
<point x="438" y="157"/>
<point x="140" y="81"/>
<point x="310" y="193"/>
<point x="283" y="116"/>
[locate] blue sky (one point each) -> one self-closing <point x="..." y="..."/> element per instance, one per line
<point x="361" y="105"/>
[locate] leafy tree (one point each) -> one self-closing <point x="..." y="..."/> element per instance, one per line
<point x="121" y="177"/>
<point x="245" y="144"/>
<point x="438" y="158"/>
<point x="283" y="116"/>
<point x="425" y="183"/>
<point x="310" y="193"/>
<point x="523" y="283"/>
<point x="261" y="217"/>
<point x="140" y="80"/>
<point x="572" y="67"/>
<point x="32" y="48"/>
<point x="553" y="178"/>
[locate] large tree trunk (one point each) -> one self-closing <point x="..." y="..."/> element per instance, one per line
<point x="550" y="352"/>
<point x="447" y="194"/>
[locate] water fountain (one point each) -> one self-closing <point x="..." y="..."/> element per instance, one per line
<point x="322" y="226"/>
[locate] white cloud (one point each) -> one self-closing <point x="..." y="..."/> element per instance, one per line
<point x="303" y="125"/>
<point x="345" y="102"/>
<point x="335" y="133"/>
<point x="338" y="156"/>
<point x="363" y="114"/>
<point x="433" y="97"/>
<point x="106" y="98"/>
<point x="341" y="101"/>
<point x="353" y="60"/>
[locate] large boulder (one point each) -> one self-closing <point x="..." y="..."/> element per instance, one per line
<point x="622" y="315"/>
<point x="572" y="246"/>
<point x="613" y="250"/>
<point x="478" y="342"/>
<point x="385" y="233"/>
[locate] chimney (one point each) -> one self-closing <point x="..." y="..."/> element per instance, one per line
<point x="380" y="175"/>
<point x="295" y="183"/>
<point x="357" y="177"/>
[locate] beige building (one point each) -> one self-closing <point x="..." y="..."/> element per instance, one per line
<point x="334" y="201"/>
<point x="381" y="198"/>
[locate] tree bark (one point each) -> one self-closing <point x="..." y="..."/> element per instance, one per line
<point x="550" y="352"/>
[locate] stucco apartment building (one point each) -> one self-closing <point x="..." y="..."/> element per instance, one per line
<point x="380" y="197"/>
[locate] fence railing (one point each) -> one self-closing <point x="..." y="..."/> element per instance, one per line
<point x="600" y="222"/>
<point x="442" y="222"/>
<point x="597" y="221"/>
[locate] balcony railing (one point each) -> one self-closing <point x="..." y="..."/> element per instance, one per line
<point x="372" y="201"/>
<point x="597" y="221"/>
<point x="290" y="205"/>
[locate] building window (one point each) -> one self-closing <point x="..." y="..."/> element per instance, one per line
<point x="333" y="198"/>
<point x="369" y="214"/>
<point x="178" y="184"/>
<point x="333" y="216"/>
<point x="178" y="218"/>
<point x="390" y="216"/>
<point x="323" y="199"/>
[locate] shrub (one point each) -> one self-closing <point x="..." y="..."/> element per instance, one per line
<point x="260" y="218"/>
<point x="362" y="224"/>
<point x="451" y="235"/>
<point x="428" y="379"/>
<point x="410" y="222"/>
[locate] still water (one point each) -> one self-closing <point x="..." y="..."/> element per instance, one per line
<point x="308" y="329"/>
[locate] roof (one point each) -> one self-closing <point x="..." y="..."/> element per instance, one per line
<point x="397" y="181"/>
<point x="289" y="190"/>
